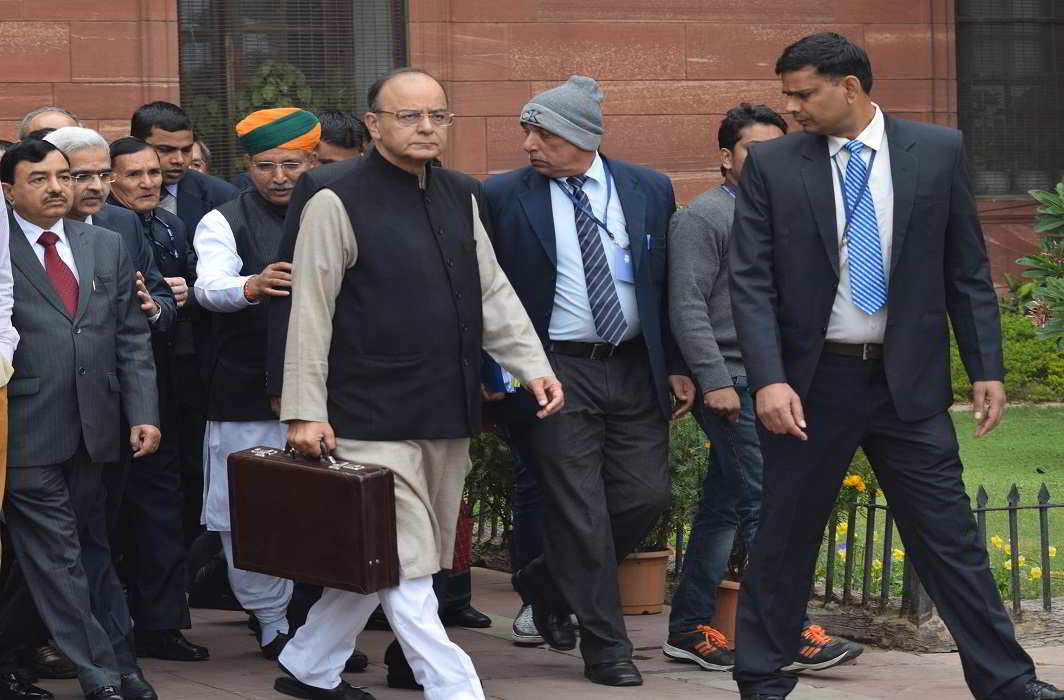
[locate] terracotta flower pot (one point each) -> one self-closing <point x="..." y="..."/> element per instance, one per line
<point x="727" y="607"/>
<point x="641" y="578"/>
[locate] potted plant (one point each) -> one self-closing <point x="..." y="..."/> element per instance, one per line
<point x="642" y="575"/>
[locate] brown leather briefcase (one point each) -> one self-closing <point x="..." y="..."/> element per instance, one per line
<point x="326" y="522"/>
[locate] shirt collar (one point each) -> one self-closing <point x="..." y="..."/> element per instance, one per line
<point x="172" y="189"/>
<point x="33" y="231"/>
<point x="872" y="136"/>
<point x="596" y="173"/>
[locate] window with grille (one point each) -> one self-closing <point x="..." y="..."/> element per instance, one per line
<point x="237" y="56"/>
<point x="1010" y="92"/>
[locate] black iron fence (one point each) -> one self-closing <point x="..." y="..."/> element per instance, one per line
<point x="874" y="582"/>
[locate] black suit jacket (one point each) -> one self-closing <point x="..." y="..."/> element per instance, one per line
<point x="126" y="223"/>
<point x="197" y="194"/>
<point x="518" y="208"/>
<point x="785" y="258"/>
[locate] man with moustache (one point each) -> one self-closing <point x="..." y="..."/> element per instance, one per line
<point x="45" y="118"/>
<point x="144" y="503"/>
<point x="395" y="289"/>
<point x="236" y="245"/>
<point x="83" y="350"/>
<point x="856" y="244"/>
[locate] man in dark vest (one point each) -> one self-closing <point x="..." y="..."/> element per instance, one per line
<point x="235" y="244"/>
<point x="395" y="247"/>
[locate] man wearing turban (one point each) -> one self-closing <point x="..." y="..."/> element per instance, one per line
<point x="235" y="244"/>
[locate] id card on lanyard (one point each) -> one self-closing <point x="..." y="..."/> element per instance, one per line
<point x="622" y="257"/>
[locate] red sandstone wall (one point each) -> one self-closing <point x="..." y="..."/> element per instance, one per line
<point x="671" y="68"/>
<point x="100" y="59"/>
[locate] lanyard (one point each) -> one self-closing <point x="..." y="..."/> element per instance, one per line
<point x="729" y="189"/>
<point x="577" y="204"/>
<point x="172" y="249"/>
<point x="847" y="210"/>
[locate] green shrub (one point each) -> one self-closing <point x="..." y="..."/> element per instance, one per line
<point x="1034" y="367"/>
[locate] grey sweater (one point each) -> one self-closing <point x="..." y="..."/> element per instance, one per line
<point x="699" y="301"/>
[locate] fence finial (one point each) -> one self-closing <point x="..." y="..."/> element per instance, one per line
<point x="981" y="497"/>
<point x="1043" y="495"/>
<point x="1014" y="496"/>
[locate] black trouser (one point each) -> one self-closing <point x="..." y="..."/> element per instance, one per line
<point x="918" y="467"/>
<point x="601" y="465"/>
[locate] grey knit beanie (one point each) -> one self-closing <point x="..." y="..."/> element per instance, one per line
<point x="573" y="110"/>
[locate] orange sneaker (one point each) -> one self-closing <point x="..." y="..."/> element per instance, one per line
<point x="704" y="646"/>
<point x="821" y="651"/>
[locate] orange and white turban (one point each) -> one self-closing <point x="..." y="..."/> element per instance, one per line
<point x="289" y="128"/>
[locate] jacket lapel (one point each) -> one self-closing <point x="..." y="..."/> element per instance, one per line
<point x="536" y="203"/>
<point x="903" y="173"/>
<point x="634" y="206"/>
<point x="25" y="259"/>
<point x="85" y="259"/>
<point x="816" y="174"/>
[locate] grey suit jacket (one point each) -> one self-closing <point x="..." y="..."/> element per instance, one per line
<point x="71" y="372"/>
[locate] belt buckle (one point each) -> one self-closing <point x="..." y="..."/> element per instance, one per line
<point x="606" y="347"/>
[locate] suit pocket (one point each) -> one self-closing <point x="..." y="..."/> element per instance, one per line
<point x="24" y="386"/>
<point x="112" y="381"/>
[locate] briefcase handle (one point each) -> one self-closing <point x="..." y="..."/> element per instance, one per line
<point x="325" y="457"/>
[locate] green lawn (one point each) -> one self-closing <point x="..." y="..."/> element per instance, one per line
<point x="1027" y="449"/>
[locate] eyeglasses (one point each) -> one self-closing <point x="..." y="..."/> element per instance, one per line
<point x="410" y="117"/>
<point x="107" y="176"/>
<point x="266" y="167"/>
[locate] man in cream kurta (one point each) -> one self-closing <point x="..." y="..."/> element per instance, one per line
<point x="429" y="473"/>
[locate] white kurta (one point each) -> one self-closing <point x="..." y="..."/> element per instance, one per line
<point x="220" y="288"/>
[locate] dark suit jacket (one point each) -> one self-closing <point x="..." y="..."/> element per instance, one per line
<point x="785" y="259"/>
<point x="197" y="194"/>
<point x="126" y="223"/>
<point x="71" y="372"/>
<point x="518" y="208"/>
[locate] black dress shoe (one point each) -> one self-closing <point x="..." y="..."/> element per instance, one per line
<point x="618" y="673"/>
<point x="466" y="616"/>
<point x="555" y="627"/>
<point x="291" y="686"/>
<point x="378" y="621"/>
<point x="47" y="661"/>
<point x="357" y="662"/>
<point x="134" y="687"/>
<point x="1037" y="690"/>
<point x="14" y="687"/>
<point x="107" y="692"/>
<point x="272" y="650"/>
<point x="400" y="675"/>
<point x="170" y="645"/>
<point x="762" y="697"/>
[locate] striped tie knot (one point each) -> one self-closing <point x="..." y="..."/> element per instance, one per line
<point x="48" y="239"/>
<point x="576" y="182"/>
<point x="854" y="147"/>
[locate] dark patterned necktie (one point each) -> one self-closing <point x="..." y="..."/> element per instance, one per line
<point x="601" y="291"/>
<point x="64" y="281"/>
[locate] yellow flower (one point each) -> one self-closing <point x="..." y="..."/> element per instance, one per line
<point x="876" y="564"/>
<point x="841" y="553"/>
<point x="855" y="481"/>
<point x="1007" y="565"/>
<point x="880" y="494"/>
<point x="1020" y="559"/>
<point x="1008" y="550"/>
<point x="706" y="445"/>
<point x="1052" y="551"/>
<point x="997" y="541"/>
<point x="842" y="527"/>
<point x="898" y="555"/>
<point x="1036" y="573"/>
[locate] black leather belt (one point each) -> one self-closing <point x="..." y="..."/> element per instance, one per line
<point x="865" y="351"/>
<point x="591" y="351"/>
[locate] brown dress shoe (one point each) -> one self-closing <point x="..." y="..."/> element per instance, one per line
<point x="47" y="661"/>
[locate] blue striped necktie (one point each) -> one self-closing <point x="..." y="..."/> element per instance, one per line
<point x="865" y="256"/>
<point x="601" y="291"/>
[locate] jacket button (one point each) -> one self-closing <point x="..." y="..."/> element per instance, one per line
<point x="439" y="232"/>
<point x="77" y="331"/>
<point x="458" y="294"/>
<point x="824" y="330"/>
<point x="82" y="371"/>
<point x="465" y="362"/>
<point x="450" y="263"/>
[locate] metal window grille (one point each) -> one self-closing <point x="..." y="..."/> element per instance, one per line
<point x="1010" y="90"/>
<point x="237" y="56"/>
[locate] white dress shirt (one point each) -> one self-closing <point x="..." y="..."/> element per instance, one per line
<point x="33" y="232"/>
<point x="8" y="334"/>
<point x="571" y="318"/>
<point x="848" y="323"/>
<point x="219" y="284"/>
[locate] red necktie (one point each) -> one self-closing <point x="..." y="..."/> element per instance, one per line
<point x="66" y="285"/>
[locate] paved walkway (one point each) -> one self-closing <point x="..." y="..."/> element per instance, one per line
<point x="235" y="669"/>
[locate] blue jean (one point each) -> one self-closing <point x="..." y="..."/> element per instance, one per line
<point x="731" y="500"/>
<point x="526" y="504"/>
